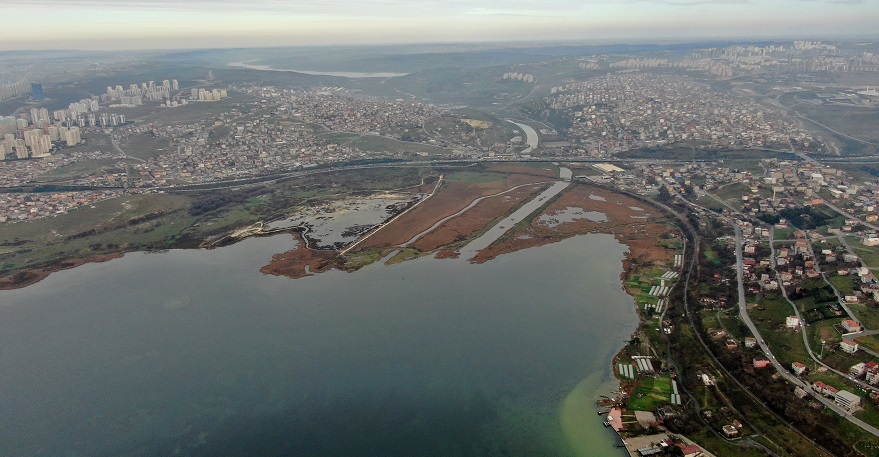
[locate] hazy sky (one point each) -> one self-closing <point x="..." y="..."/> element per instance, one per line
<point x="122" y="24"/>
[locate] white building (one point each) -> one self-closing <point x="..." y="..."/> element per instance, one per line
<point x="849" y="346"/>
<point x="857" y="370"/>
<point x="847" y="400"/>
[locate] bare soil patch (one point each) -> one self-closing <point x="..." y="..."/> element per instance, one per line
<point x="300" y="262"/>
<point x="453" y="196"/>
<point x="464" y="226"/>
<point x="631" y="221"/>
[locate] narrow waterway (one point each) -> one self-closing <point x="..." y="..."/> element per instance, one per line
<point x="531" y="137"/>
<point x="471" y="205"/>
<point x="498" y="230"/>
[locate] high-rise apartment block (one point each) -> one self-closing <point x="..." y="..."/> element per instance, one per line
<point x="37" y="92"/>
<point x="15" y="89"/>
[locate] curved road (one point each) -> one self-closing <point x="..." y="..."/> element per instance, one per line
<point x="743" y="313"/>
<point x="803" y="330"/>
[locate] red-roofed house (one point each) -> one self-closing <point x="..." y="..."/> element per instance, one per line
<point x="849" y="346"/>
<point x="824" y="389"/>
<point x="690" y="450"/>
<point x="730" y="431"/>
<point x="851" y="325"/>
<point x="871" y="371"/>
<point x="761" y="363"/>
<point x="798" y="368"/>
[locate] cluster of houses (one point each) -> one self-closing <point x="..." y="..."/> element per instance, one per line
<point x="664" y="446"/>
<point x="843" y="398"/>
<point x="869" y="371"/>
<point x="794" y="263"/>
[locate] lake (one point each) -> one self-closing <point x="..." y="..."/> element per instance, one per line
<point x="197" y="353"/>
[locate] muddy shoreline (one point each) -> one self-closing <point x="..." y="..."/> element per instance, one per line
<point x="630" y="224"/>
<point x="30" y="276"/>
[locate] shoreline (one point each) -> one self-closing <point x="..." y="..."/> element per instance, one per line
<point x="641" y="235"/>
<point x="30" y="276"/>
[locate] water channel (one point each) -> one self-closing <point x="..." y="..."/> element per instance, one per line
<point x="531" y="137"/>
<point x="520" y="214"/>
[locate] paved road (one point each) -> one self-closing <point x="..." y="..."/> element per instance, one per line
<point x="116" y="146"/>
<point x="689" y="314"/>
<point x="803" y="329"/>
<point x="839" y="296"/>
<point x="743" y="313"/>
<point x="850" y="216"/>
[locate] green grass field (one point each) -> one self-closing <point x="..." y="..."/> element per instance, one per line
<point x="733" y="325"/>
<point x="868" y="315"/>
<point x="651" y="393"/>
<point x="144" y="146"/>
<point x="775" y="312"/>
<point x="786" y="344"/>
<point x="710" y="203"/>
<point x="784" y="234"/>
<point x="732" y="194"/>
<point x="712" y="256"/>
<point x="869" y="256"/>
<point x="80" y="169"/>
<point x="843" y="284"/>
<point x="870" y="341"/>
<point x="106" y="226"/>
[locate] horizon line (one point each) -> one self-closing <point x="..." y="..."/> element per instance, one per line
<point x="634" y="41"/>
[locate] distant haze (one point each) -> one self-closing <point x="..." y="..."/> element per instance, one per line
<point x="127" y="24"/>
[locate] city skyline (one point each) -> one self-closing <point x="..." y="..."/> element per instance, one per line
<point x="106" y="25"/>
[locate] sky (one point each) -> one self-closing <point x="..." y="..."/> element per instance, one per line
<point x="160" y="24"/>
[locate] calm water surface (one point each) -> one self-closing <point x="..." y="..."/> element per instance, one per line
<point x="197" y="353"/>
